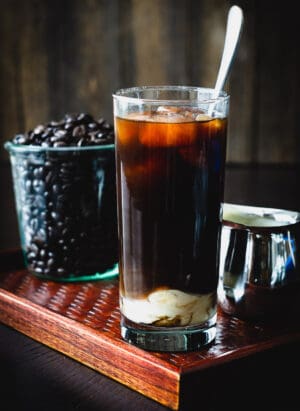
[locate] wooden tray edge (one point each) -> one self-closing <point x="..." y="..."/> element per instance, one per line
<point x="105" y="356"/>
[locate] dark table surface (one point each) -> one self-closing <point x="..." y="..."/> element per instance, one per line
<point x="35" y="377"/>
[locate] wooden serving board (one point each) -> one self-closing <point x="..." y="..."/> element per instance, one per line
<point x="82" y="321"/>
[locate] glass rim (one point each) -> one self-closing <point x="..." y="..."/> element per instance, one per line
<point x="123" y="94"/>
<point x="30" y="148"/>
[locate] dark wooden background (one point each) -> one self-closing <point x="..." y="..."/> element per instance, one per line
<point x="63" y="56"/>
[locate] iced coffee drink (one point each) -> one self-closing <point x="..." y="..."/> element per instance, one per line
<point x="170" y="159"/>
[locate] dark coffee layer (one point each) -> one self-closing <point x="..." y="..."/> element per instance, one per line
<point x="170" y="181"/>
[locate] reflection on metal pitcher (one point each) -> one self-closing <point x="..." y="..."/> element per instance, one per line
<point x="259" y="262"/>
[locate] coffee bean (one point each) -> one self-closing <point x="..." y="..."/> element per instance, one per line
<point x="38" y="270"/>
<point x="79" y="131"/>
<point x="50" y="262"/>
<point x="55" y="216"/>
<point x="70" y="117"/>
<point x="61" y="271"/>
<point x="38" y="172"/>
<point x="20" y="139"/>
<point x="57" y="123"/>
<point x="81" y="142"/>
<point x="39" y="129"/>
<point x="85" y="118"/>
<point x="39" y="202"/>
<point x="61" y="134"/>
<point x="38" y="186"/>
<point x="93" y="126"/>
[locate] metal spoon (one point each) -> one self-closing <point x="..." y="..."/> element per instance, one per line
<point x="233" y="31"/>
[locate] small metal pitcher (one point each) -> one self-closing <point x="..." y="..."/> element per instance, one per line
<point x="259" y="263"/>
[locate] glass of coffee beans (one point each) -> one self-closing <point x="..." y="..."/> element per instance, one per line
<point x="65" y="193"/>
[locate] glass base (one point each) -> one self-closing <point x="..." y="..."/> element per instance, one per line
<point x="111" y="272"/>
<point x="169" y="340"/>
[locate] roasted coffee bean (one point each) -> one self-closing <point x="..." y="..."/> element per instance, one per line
<point x="38" y="172"/>
<point x="106" y="126"/>
<point x="92" y="126"/>
<point x="56" y="123"/>
<point x="61" y="134"/>
<point x="85" y="118"/>
<point x="61" y="271"/>
<point x="39" y="202"/>
<point x="20" y="139"/>
<point x="55" y="216"/>
<point x="100" y="135"/>
<point x="39" y="129"/>
<point x="38" y="270"/>
<point x="79" y="131"/>
<point x="28" y="186"/>
<point x="70" y="129"/>
<point x="82" y="142"/>
<point x="50" y="262"/>
<point x="70" y="117"/>
<point x="38" y="186"/>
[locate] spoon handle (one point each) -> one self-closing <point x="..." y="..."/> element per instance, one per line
<point x="234" y="25"/>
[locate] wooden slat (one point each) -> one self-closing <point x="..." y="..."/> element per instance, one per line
<point x="278" y="62"/>
<point x="70" y="55"/>
<point x="150" y="46"/>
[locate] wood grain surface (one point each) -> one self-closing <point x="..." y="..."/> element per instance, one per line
<point x="82" y="321"/>
<point x="70" y="55"/>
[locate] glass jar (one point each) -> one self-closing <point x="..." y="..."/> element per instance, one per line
<point x="66" y="207"/>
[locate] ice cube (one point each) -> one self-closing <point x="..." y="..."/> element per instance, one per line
<point x="127" y="132"/>
<point x="168" y="134"/>
<point x="176" y="113"/>
<point x="203" y="117"/>
<point x="168" y="110"/>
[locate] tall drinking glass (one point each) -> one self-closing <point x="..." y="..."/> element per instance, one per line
<point x="170" y="157"/>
